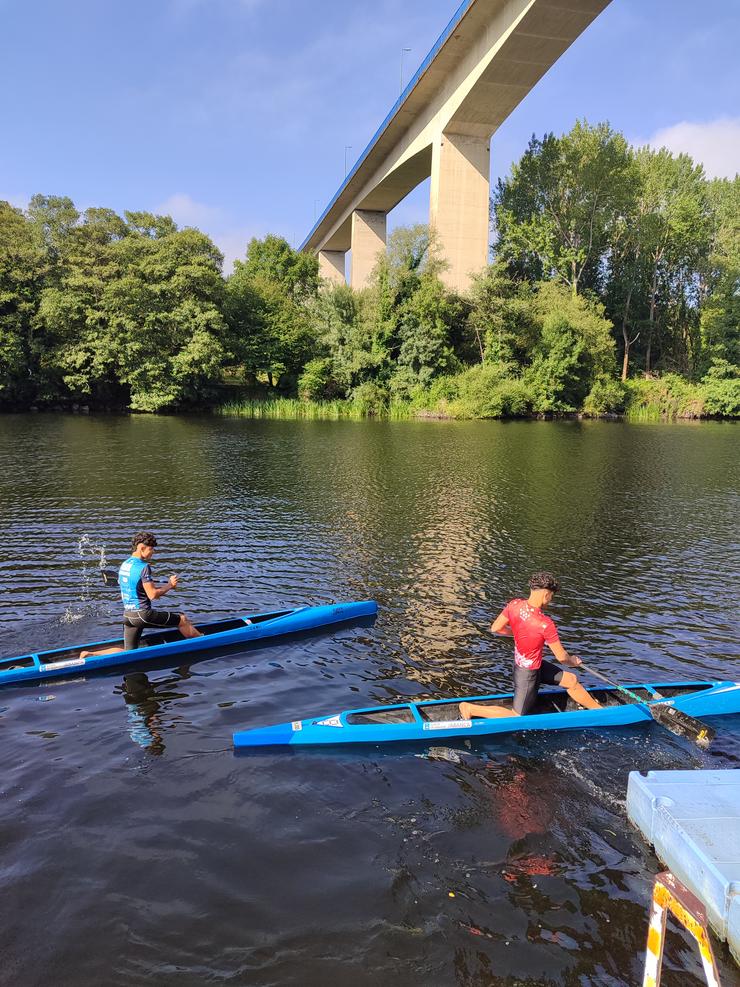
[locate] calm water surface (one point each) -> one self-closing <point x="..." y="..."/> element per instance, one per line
<point x="138" y="850"/>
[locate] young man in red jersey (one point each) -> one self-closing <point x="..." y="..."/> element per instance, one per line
<point x="531" y="629"/>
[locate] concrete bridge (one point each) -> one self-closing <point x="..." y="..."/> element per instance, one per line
<point x="486" y="61"/>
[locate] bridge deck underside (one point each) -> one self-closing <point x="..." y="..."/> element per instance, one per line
<point x="493" y="55"/>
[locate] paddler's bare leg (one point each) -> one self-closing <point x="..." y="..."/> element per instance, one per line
<point x="577" y="693"/>
<point x="187" y="628"/>
<point x="469" y="710"/>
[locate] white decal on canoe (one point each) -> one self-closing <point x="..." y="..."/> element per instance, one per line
<point x="297" y="725"/>
<point x="449" y="725"/>
<point x="69" y="663"/>
<point x="332" y="721"/>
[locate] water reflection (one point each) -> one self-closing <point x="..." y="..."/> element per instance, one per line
<point x="147" y="705"/>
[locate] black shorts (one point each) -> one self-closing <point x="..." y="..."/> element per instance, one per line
<point x="135" y="621"/>
<point x="528" y="680"/>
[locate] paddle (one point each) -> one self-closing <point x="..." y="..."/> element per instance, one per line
<point x="669" y="717"/>
<point x="110" y="576"/>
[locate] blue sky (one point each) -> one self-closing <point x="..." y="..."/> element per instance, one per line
<point x="233" y="115"/>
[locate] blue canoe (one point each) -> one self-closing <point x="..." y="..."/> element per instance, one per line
<point x="165" y="644"/>
<point x="439" y="719"/>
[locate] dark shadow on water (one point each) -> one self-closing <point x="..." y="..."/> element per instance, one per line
<point x="146" y="701"/>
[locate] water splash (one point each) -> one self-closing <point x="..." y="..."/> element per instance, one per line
<point x="93" y="558"/>
<point x="90" y="552"/>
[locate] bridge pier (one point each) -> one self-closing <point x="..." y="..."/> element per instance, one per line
<point x="331" y="266"/>
<point x="459" y="205"/>
<point x="368" y="240"/>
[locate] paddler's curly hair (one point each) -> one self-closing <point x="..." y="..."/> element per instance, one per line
<point x="544" y="580"/>
<point x="143" y="538"/>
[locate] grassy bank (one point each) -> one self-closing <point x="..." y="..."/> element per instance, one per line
<point x="294" y="409"/>
<point x="673" y="398"/>
<point x="645" y="400"/>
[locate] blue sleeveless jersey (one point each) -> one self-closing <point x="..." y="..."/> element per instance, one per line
<point x="131" y="577"/>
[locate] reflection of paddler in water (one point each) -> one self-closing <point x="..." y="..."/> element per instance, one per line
<point x="139" y="592"/>
<point x="142" y="708"/>
<point x="531" y="629"/>
<point x="523" y="805"/>
<point x="143" y="704"/>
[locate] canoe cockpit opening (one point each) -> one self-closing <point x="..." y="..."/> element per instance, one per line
<point x="262" y="618"/>
<point x="12" y="664"/>
<point x="221" y="626"/>
<point x="670" y="692"/>
<point x="401" y="714"/>
<point x="450" y="710"/>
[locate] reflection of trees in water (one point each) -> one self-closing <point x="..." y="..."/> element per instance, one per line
<point x="146" y="701"/>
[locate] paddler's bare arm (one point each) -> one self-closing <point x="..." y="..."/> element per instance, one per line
<point x="154" y="592"/>
<point x="501" y="626"/>
<point x="563" y="656"/>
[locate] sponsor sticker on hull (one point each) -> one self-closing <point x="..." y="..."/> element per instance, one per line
<point x="449" y="725"/>
<point x="69" y="663"/>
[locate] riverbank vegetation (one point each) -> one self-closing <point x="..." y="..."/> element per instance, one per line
<point x="615" y="288"/>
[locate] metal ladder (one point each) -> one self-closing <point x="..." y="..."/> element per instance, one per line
<point x="671" y="896"/>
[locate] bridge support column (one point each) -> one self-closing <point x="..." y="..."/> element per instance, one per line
<point x="368" y="240"/>
<point x="459" y="206"/>
<point x="331" y="266"/>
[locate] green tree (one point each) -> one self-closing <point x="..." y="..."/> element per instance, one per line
<point x="556" y="210"/>
<point x="80" y="359"/>
<point x="268" y="299"/>
<point x="674" y="231"/>
<point x="274" y="260"/>
<point x="501" y="317"/>
<point x="575" y="349"/>
<point x="411" y="255"/>
<point x="720" y="314"/>
<point x="164" y="313"/>
<point x="22" y="270"/>
<point x="426" y="323"/>
<point x="52" y="217"/>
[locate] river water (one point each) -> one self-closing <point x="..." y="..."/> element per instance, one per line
<point x="138" y="850"/>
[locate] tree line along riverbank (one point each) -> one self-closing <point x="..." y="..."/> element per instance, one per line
<point x="614" y="289"/>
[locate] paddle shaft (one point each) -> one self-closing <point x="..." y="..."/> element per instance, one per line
<point x="615" y="685"/>
<point x="110" y="576"/>
<point x="675" y="720"/>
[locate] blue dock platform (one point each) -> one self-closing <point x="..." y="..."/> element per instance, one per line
<point x="692" y="819"/>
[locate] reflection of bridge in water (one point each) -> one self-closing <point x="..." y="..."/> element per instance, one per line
<point x="488" y="58"/>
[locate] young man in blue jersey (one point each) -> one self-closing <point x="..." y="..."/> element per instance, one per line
<point x="139" y="593"/>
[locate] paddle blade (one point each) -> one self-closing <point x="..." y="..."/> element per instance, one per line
<point x="110" y="578"/>
<point x="682" y="724"/>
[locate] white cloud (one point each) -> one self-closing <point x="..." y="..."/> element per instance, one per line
<point x="230" y="238"/>
<point x="18" y="201"/>
<point x="233" y="244"/>
<point x="715" y="143"/>
<point x="187" y="212"/>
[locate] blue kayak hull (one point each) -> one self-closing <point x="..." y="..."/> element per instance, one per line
<point x="435" y="720"/>
<point x="162" y="645"/>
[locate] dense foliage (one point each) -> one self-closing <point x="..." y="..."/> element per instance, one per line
<point x="615" y="286"/>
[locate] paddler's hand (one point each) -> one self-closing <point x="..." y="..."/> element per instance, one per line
<point x="172" y="582"/>
<point x="574" y="661"/>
